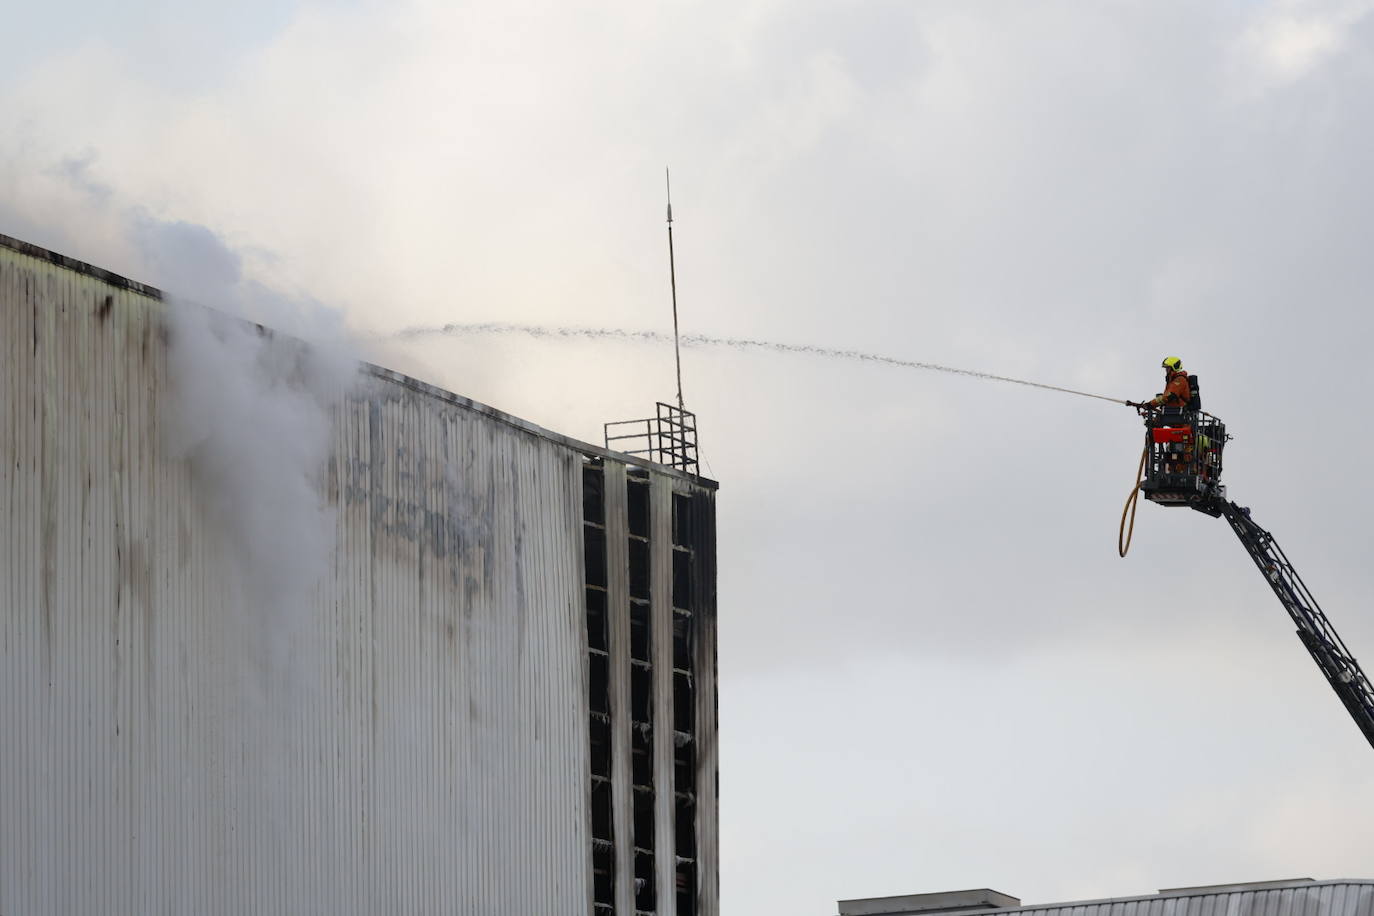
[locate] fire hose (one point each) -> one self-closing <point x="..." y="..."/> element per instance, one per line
<point x="1124" y="534"/>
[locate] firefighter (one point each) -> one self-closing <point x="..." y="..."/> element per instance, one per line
<point x="1172" y="404"/>
<point x="1177" y="392"/>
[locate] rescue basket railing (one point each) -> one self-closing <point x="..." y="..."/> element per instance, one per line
<point x="668" y="438"/>
<point x="1184" y="449"/>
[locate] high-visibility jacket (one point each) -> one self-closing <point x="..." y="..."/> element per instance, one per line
<point x="1177" y="392"/>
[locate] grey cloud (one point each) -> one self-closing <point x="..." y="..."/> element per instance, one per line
<point x="1058" y="191"/>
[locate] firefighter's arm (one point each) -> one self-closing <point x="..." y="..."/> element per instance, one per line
<point x="1178" y="387"/>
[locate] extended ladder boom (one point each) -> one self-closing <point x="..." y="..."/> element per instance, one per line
<point x="1328" y="651"/>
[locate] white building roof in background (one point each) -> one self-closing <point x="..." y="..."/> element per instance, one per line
<point x="1293" y="897"/>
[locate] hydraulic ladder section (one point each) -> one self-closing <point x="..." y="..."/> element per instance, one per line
<point x="1328" y="651"/>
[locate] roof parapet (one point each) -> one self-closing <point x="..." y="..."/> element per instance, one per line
<point x="1203" y="889"/>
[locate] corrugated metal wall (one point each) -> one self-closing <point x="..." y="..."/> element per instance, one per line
<point x="423" y="745"/>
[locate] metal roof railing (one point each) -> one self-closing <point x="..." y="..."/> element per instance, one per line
<point x="669" y="438"/>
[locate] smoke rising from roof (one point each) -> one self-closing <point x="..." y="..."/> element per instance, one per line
<point x="251" y="412"/>
<point x="255" y="375"/>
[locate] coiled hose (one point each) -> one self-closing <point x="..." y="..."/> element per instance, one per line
<point x="1124" y="534"/>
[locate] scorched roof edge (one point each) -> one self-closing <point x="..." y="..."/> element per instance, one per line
<point x="152" y="292"/>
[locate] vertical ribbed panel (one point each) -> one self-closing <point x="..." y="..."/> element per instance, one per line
<point x="423" y="748"/>
<point x="661" y="611"/>
<point x="618" y="609"/>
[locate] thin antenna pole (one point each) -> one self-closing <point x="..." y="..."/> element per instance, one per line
<point x="672" y="277"/>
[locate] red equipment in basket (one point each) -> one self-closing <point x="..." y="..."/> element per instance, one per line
<point x="1172" y="434"/>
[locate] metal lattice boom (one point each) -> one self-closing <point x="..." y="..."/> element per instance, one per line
<point x="1337" y="665"/>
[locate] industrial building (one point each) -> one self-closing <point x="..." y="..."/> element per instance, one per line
<point x="1297" y="897"/>
<point x="489" y="688"/>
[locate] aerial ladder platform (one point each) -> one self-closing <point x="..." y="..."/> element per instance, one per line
<point x="1325" y="645"/>
<point x="1181" y="467"/>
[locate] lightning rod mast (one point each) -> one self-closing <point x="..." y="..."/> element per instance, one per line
<point x="672" y="279"/>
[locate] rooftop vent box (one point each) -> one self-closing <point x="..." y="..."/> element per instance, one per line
<point x="927" y="904"/>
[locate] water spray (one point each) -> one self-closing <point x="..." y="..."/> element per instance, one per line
<point x="736" y="343"/>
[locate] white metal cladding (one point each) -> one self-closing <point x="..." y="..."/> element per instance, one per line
<point x="618" y="618"/>
<point x="1321" y="898"/>
<point x="661" y="629"/>
<point x="426" y="751"/>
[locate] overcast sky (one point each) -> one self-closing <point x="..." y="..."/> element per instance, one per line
<point x="935" y="671"/>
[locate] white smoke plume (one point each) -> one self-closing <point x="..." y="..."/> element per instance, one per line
<point x="255" y="380"/>
<point x="255" y="375"/>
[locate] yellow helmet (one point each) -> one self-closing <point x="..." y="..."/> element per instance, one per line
<point x="1172" y="363"/>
